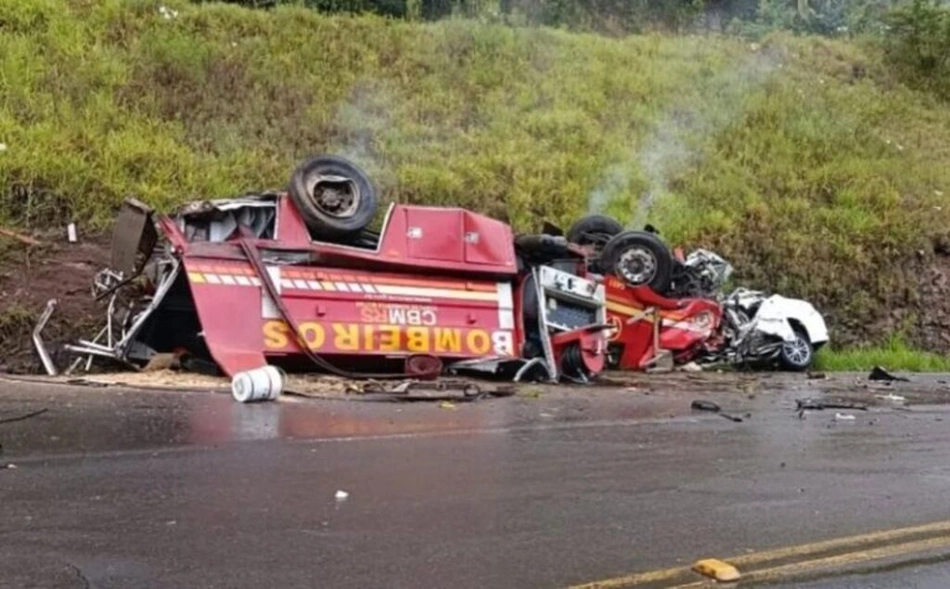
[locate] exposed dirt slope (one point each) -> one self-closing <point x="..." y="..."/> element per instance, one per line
<point x="32" y="275"/>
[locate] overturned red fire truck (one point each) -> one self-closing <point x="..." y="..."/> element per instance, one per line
<point x="298" y="278"/>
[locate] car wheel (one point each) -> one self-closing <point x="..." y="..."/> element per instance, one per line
<point x="799" y="354"/>
<point x="335" y="197"/>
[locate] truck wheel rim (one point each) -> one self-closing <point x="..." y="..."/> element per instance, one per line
<point x="637" y="265"/>
<point x="337" y="196"/>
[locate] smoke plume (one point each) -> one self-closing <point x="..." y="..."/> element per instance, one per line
<point x="671" y="144"/>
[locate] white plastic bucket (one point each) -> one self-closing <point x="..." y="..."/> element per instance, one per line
<point x="260" y="384"/>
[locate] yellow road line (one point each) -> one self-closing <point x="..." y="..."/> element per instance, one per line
<point x="637" y="579"/>
<point x="850" y="558"/>
<point x="848" y="542"/>
<point x="851" y="542"/>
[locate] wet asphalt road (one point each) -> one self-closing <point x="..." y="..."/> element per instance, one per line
<point x="146" y="489"/>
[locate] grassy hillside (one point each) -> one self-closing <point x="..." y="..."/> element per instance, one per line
<point x="801" y="160"/>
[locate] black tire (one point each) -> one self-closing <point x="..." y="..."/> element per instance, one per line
<point x="590" y="229"/>
<point x="595" y="231"/>
<point x="797" y="356"/>
<point x="645" y="249"/>
<point x="345" y="204"/>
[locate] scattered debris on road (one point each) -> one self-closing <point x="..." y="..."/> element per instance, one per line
<point x="702" y="405"/>
<point x="342" y="495"/>
<point x="844" y="417"/>
<point x="717" y="569"/>
<point x="803" y="405"/>
<point x="260" y="384"/>
<point x="24" y="417"/>
<point x="444" y="390"/>
<point x="880" y="374"/>
<point x="892" y="398"/>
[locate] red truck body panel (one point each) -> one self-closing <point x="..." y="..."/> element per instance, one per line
<point x="685" y="324"/>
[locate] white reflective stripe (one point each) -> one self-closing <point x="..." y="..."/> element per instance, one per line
<point x="243" y="280"/>
<point x="506" y="318"/>
<point x="212" y="279"/>
<point x="285" y="283"/>
<point x="301" y="284"/>
<point x="256" y="281"/>
<point x="369" y="288"/>
<point x="505" y="300"/>
<point x="268" y="309"/>
<point x="354" y="287"/>
<point x="274" y="273"/>
<point x="314" y="285"/>
<point x="228" y="279"/>
<point x="442" y="293"/>
<point x="341" y="286"/>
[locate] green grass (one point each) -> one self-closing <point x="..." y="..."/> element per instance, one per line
<point x="894" y="355"/>
<point x="803" y="160"/>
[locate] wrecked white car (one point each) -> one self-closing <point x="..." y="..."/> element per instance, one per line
<point x="758" y="328"/>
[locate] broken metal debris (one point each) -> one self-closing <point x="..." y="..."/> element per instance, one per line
<point x="445" y="390"/>
<point x="38" y="343"/>
<point x="880" y="374"/>
<point x="815" y="405"/>
<point x="218" y="220"/>
<point x="844" y="417"/>
<point x="701" y="405"/>
<point x="802" y="405"/>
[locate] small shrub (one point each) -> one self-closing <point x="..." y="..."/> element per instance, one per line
<point x="918" y="44"/>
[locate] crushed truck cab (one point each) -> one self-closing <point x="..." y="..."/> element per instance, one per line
<point x="667" y="309"/>
<point x="289" y="278"/>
